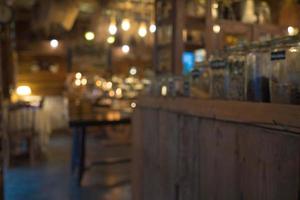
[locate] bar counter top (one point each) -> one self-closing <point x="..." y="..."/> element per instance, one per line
<point x="267" y="114"/>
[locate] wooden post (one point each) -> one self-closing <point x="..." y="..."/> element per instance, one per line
<point x="8" y="67"/>
<point x="155" y="49"/>
<point x="209" y="34"/>
<point x="2" y="143"/>
<point x="178" y="25"/>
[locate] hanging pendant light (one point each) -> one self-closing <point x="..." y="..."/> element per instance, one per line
<point x="89" y="36"/>
<point x="126" y="24"/>
<point x="125" y="49"/>
<point x="111" y="40"/>
<point x="112" y="29"/>
<point x="152" y="28"/>
<point x="142" y="30"/>
<point x="54" y="43"/>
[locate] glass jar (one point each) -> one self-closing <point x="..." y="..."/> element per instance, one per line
<point x="218" y="76"/>
<point x="155" y="87"/>
<point x="285" y="70"/>
<point x="258" y="73"/>
<point x="236" y="61"/>
<point x="200" y="81"/>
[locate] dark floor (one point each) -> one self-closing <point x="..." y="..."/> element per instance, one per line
<point x="51" y="179"/>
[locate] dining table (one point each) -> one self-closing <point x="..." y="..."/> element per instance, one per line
<point x="79" y="123"/>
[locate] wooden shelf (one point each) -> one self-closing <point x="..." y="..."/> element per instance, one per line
<point x="164" y="46"/>
<point x="192" y="46"/>
<point x="195" y="23"/>
<point x="233" y="111"/>
<point x="230" y="26"/>
<point x="230" y="33"/>
<point x="163" y="22"/>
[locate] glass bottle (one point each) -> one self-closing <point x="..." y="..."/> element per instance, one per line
<point x="258" y="73"/>
<point x="218" y="76"/>
<point x="285" y="70"/>
<point x="236" y="61"/>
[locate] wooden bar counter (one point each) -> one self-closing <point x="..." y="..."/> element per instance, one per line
<point x="190" y="149"/>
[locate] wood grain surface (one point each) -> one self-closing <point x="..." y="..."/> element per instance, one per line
<point x="187" y="149"/>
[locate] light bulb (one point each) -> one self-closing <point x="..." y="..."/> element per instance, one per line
<point x="152" y="28"/>
<point x="78" y="75"/>
<point x="292" y="31"/>
<point x="133" y="105"/>
<point x="108" y="85"/>
<point x="216" y="28"/>
<point x="77" y="82"/>
<point x="142" y="30"/>
<point x="125" y="49"/>
<point x="111" y="93"/>
<point x="84" y="81"/>
<point x="111" y="40"/>
<point x="164" y="90"/>
<point x="112" y="29"/>
<point x="54" y="43"/>
<point x="132" y="71"/>
<point x="118" y="93"/>
<point x="89" y="36"/>
<point x="98" y="83"/>
<point x="23" y="90"/>
<point x="125" y="24"/>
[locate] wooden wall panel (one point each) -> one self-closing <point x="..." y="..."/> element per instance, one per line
<point x="188" y="176"/>
<point x="151" y="154"/>
<point x="168" y="158"/>
<point x="187" y="157"/>
<point x="218" y="161"/>
<point x="269" y="164"/>
<point x="137" y="151"/>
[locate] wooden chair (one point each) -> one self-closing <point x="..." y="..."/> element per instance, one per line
<point x="19" y="131"/>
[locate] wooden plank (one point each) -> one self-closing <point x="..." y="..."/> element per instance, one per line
<point x="233" y="111"/>
<point x="151" y="153"/>
<point x="269" y="164"/>
<point x="187" y="156"/>
<point x="188" y="160"/>
<point x="168" y="133"/>
<point x="137" y="151"/>
<point x="218" y="161"/>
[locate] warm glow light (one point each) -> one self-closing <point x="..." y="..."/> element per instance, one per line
<point x="152" y="28"/>
<point x="78" y="75"/>
<point x="133" y="105"/>
<point x="119" y="93"/>
<point x="111" y="93"/>
<point x="54" y="43"/>
<point x="292" y="30"/>
<point x="216" y="28"/>
<point x="142" y="30"/>
<point x="23" y="90"/>
<point x="125" y="24"/>
<point x="132" y="71"/>
<point x="107" y="85"/>
<point x="84" y="81"/>
<point x="164" y="90"/>
<point x="112" y="29"/>
<point x="125" y="49"/>
<point x="293" y="50"/>
<point x="111" y="40"/>
<point x="215" y="5"/>
<point x="98" y="83"/>
<point x="89" y="36"/>
<point x="77" y="82"/>
<point x="129" y="80"/>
